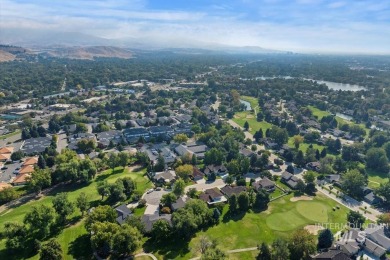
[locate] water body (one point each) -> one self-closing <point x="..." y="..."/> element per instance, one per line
<point x="9" y="117"/>
<point x="247" y="104"/>
<point x="330" y="84"/>
<point x="344" y="116"/>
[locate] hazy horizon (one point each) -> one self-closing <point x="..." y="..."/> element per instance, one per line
<point x="344" y="26"/>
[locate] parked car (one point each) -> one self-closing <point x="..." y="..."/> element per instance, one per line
<point x="4" y="168"/>
<point x="149" y="191"/>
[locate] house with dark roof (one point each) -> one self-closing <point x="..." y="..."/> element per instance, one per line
<point x="104" y="138"/>
<point x="332" y="254"/>
<point x="164" y="131"/>
<point x="265" y="184"/>
<point x="289" y="179"/>
<point x="168" y="176"/>
<point x="149" y="220"/>
<point x="196" y="174"/>
<point x="36" y="145"/>
<point x="123" y="212"/>
<point x="314" y="166"/>
<point x="217" y="169"/>
<point x="74" y="139"/>
<point x="179" y="203"/>
<point x="212" y="196"/>
<point x="230" y="190"/>
<point x="136" y="132"/>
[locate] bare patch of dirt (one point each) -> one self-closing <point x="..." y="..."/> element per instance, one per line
<point x="294" y="199"/>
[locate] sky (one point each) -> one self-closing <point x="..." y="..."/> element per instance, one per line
<point x="323" y="26"/>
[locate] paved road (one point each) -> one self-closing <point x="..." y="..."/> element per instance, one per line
<point x="218" y="183"/>
<point x="145" y="254"/>
<point x="62" y="142"/>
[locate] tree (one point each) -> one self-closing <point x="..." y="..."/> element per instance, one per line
<point x="102" y="234"/>
<point x="265" y="252"/>
<point x="280" y="250"/>
<point x="82" y="203"/>
<point x="262" y="199"/>
<point x="213" y="156"/>
<point x="192" y="193"/>
<point x="290" y="169"/>
<point x="180" y="138"/>
<point x="15" y="233"/>
<point x="243" y="201"/>
<point x="299" y="159"/>
<point x="101" y="214"/>
<point x="168" y="199"/>
<point x="126" y="240"/>
<point x="301" y="186"/>
<point x="160" y="164"/>
<point x="113" y="161"/>
<point x="39" y="179"/>
<point x="8" y="194"/>
<point x="17" y="156"/>
<point x="384" y="219"/>
<point x="246" y="126"/>
<point x="117" y="191"/>
<point x="62" y="206"/>
<point x="302" y="244"/>
<point x="161" y="230"/>
<point x="178" y="187"/>
<point x="353" y="182"/>
<point x="51" y="250"/>
<point x="376" y="159"/>
<point x="298" y="139"/>
<point x="325" y="239"/>
<point x="129" y="186"/>
<point x="184" y="171"/>
<point x="103" y="188"/>
<point x="194" y="160"/>
<point x="233" y="203"/>
<point x="309" y="177"/>
<point x="355" y="219"/>
<point x="39" y="221"/>
<point x="41" y="162"/>
<point x="123" y="159"/>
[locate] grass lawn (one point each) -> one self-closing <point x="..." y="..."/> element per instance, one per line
<point x="252" y="100"/>
<point x="278" y="192"/>
<point x="75" y="232"/>
<point x="250" y="255"/>
<point x="252" y="228"/>
<point x="303" y="146"/>
<point x="254" y="126"/>
<point x="377" y="178"/>
<point x="9" y="135"/>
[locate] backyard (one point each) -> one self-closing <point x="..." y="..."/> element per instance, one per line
<point x="73" y="239"/>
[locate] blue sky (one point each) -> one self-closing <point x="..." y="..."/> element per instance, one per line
<point x="297" y="25"/>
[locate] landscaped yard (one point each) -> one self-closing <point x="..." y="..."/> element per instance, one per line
<point x="250" y="229"/>
<point x="303" y="146"/>
<point x="253" y="101"/>
<point x="77" y="231"/>
<point x="254" y="126"/>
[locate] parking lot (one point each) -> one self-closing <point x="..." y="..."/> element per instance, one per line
<point x="7" y="175"/>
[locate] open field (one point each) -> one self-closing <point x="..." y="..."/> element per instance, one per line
<point x="253" y="101"/>
<point x="250" y="229"/>
<point x="254" y="126"/>
<point x="73" y="239"/>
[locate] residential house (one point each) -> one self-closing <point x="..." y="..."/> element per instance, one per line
<point x="246" y="152"/>
<point x="179" y="203"/>
<point x="314" y="166"/>
<point x="21" y="179"/>
<point x="168" y="176"/>
<point x="36" y="145"/>
<point x="169" y="156"/>
<point x="30" y="161"/>
<point x="217" y="169"/>
<point x="212" y="196"/>
<point x="133" y="134"/>
<point x="27" y="169"/>
<point x="290" y="180"/>
<point x="197" y="174"/>
<point x="123" y="212"/>
<point x="149" y="220"/>
<point x="104" y="138"/>
<point x="74" y="139"/>
<point x="228" y="190"/>
<point x="192" y="148"/>
<point x="332" y="254"/>
<point x="370" y="197"/>
<point x="5" y="153"/>
<point x="265" y="184"/>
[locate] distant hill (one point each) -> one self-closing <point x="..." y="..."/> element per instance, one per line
<point x="88" y="53"/>
<point x="10" y="53"/>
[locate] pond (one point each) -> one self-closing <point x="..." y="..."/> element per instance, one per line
<point x="247" y="104"/>
<point x="344" y="116"/>
<point x="340" y="86"/>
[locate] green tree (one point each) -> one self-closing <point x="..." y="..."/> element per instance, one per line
<point x="168" y="199"/>
<point x="100" y="214"/>
<point x="233" y="203"/>
<point x="39" y="221"/>
<point x="384" y="191"/>
<point x="160" y="165"/>
<point x="246" y="126"/>
<point x="180" y="138"/>
<point x="302" y="244"/>
<point x="123" y="159"/>
<point x="353" y="182"/>
<point x="161" y="230"/>
<point x="126" y="240"/>
<point x="15" y="234"/>
<point x="309" y="177"/>
<point x="62" y="206"/>
<point x="243" y="201"/>
<point x="325" y="239"/>
<point x="8" y="194"/>
<point x="41" y="162"/>
<point x="113" y="161"/>
<point x="102" y="234"/>
<point x="178" y="187"/>
<point x="262" y="199"/>
<point x="265" y="252"/>
<point x="82" y="202"/>
<point x="298" y="139"/>
<point x="103" y="188"/>
<point x="39" y="179"/>
<point x="376" y="159"/>
<point x="355" y="219"/>
<point x="184" y="171"/>
<point x="280" y="250"/>
<point x="51" y="250"/>
<point x="299" y="159"/>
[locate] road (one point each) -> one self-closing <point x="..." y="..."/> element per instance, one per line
<point x="62" y="142"/>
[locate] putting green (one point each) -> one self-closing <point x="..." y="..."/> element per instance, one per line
<point x="285" y="221"/>
<point x="312" y="210"/>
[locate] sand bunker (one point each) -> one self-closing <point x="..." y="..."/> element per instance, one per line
<point x="313" y="229"/>
<point x="293" y="199"/>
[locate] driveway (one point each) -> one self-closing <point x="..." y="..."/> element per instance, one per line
<point x="154" y="197"/>
<point x="218" y="183"/>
